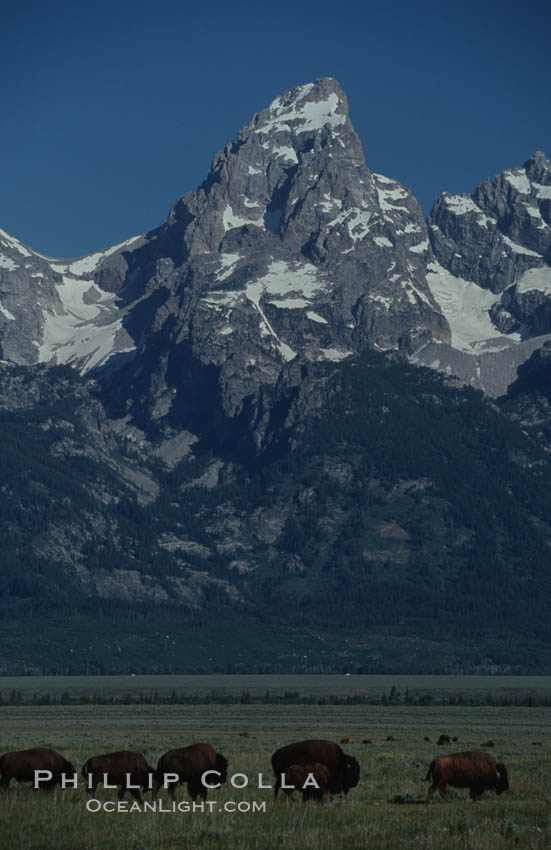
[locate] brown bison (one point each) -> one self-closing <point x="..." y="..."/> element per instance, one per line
<point x="344" y="770"/>
<point x="22" y="765"/>
<point x="188" y="765"/>
<point x="310" y="779"/>
<point x="124" y="768"/>
<point x="346" y="740"/>
<point x="473" y="770"/>
<point x="442" y="740"/>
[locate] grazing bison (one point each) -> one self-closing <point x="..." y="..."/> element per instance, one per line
<point x="442" y="740"/>
<point x="426" y="738"/>
<point x="243" y="734"/>
<point x="310" y="779"/>
<point x="366" y="741"/>
<point x="473" y="770"/>
<point x="346" y="740"/>
<point x="124" y="768"/>
<point x="488" y="744"/>
<point x="344" y="770"/>
<point x="22" y="765"/>
<point x="188" y="765"/>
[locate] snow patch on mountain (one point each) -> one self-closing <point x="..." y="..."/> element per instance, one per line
<point x="88" y="328"/>
<point x="535" y="280"/>
<point x="305" y="114"/>
<point x="519" y="180"/>
<point x="7" y="263"/>
<point x="6" y="313"/>
<point x="14" y="243"/>
<point x="466" y="307"/>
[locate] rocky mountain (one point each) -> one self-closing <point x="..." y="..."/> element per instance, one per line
<point x="491" y="275"/>
<point x="162" y="404"/>
<point x="292" y="248"/>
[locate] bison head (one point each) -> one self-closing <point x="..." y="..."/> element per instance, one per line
<point x="350" y="775"/>
<point x="502" y="783"/>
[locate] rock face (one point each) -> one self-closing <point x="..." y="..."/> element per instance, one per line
<point x="290" y="249"/>
<point x="290" y="252"/>
<point x="492" y="275"/>
<point x="501" y="231"/>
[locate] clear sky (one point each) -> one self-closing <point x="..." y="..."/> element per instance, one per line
<point x="111" y="111"/>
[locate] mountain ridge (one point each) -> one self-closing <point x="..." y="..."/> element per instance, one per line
<point x="231" y="414"/>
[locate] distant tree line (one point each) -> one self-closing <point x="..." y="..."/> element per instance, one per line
<point x="392" y="698"/>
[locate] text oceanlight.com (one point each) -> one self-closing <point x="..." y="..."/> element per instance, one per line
<point x="183" y="807"/>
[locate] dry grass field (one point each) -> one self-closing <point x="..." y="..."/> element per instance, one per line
<point x="384" y="811"/>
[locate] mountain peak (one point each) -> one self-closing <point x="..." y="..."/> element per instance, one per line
<point x="305" y="108"/>
<point x="538" y="168"/>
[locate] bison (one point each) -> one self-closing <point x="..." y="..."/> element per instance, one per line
<point x="23" y="764"/>
<point x="346" y="740"/>
<point x="442" y="740"/>
<point x="188" y="765"/>
<point x="344" y="770"/>
<point x="124" y="768"/>
<point x="310" y="779"/>
<point x="473" y="770"/>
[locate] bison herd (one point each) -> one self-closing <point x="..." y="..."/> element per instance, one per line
<point x="312" y="767"/>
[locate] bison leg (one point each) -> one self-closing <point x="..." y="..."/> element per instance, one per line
<point x="476" y="792"/>
<point x="277" y="786"/>
<point x="196" y="789"/>
<point x="157" y="783"/>
<point x="91" y="783"/>
<point x="136" y="794"/>
<point x="441" y="790"/>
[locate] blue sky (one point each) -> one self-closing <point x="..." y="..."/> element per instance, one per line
<point x="111" y="111"/>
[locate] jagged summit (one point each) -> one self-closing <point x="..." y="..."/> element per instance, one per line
<point x="293" y="250"/>
<point x="304" y="108"/>
<point x="537" y="165"/>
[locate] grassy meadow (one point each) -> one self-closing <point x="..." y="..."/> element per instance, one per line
<point x="384" y="811"/>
